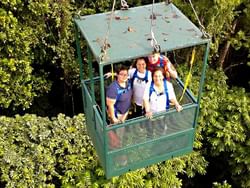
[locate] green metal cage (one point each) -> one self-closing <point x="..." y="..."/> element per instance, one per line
<point x="173" y="31"/>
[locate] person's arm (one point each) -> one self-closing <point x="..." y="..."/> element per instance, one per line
<point x="170" y="68"/>
<point x="176" y="104"/>
<point x="123" y="117"/>
<point x="172" y="97"/>
<point x="172" y="71"/>
<point x="109" y="74"/>
<point x="146" y="103"/>
<point x="111" y="110"/>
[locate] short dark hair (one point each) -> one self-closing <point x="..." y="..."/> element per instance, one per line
<point x="137" y="59"/>
<point x="121" y="68"/>
<point x="159" y="69"/>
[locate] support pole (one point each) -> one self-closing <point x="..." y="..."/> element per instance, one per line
<point x="103" y="111"/>
<point x="102" y="92"/>
<point x="203" y="72"/>
<point x="78" y="49"/>
<point x="92" y="88"/>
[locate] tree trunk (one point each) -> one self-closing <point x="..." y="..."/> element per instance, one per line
<point x="226" y="47"/>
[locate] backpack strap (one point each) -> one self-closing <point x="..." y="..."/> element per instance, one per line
<point x="166" y="93"/>
<point x="151" y="90"/>
<point x="136" y="76"/>
<point x="146" y="77"/>
<point x="120" y="91"/>
<point x="133" y="78"/>
<point x="161" y="61"/>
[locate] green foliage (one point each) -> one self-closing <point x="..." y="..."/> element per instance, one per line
<point x="17" y="83"/>
<point x="34" y="36"/>
<point x="225" y="124"/>
<point x="227" y="24"/>
<point x="223" y="185"/>
<point x="39" y="152"/>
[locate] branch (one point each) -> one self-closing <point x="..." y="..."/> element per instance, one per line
<point x="231" y="66"/>
<point x="226" y="47"/>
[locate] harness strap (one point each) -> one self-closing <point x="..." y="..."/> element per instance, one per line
<point x="136" y="76"/>
<point x="120" y="91"/>
<point x="151" y="90"/>
<point x="166" y="93"/>
<point x="161" y="61"/>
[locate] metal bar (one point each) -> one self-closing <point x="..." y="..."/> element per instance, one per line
<point x="202" y="80"/>
<point x="156" y="140"/>
<point x="143" y="118"/>
<point x="78" y="48"/>
<point x="92" y="88"/>
<point x="102" y="91"/>
<point x="79" y="60"/>
<point x="103" y="111"/>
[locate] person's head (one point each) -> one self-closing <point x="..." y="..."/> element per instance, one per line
<point x="122" y="73"/>
<point x="158" y="75"/>
<point x="153" y="58"/>
<point x="140" y="64"/>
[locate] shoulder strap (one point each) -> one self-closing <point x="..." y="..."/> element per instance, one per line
<point x="151" y="90"/>
<point x="161" y="61"/>
<point x="146" y="76"/>
<point x="133" y="78"/>
<point x="166" y="93"/>
<point x="136" y="76"/>
<point x="120" y="91"/>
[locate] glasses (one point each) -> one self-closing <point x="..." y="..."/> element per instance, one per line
<point x="123" y="74"/>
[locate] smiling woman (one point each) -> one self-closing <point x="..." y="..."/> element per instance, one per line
<point x="159" y="92"/>
<point x="139" y="77"/>
<point x="118" y="97"/>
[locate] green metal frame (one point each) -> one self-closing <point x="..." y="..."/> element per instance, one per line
<point x="174" y="31"/>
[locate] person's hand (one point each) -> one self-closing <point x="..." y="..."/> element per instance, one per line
<point x="109" y="74"/>
<point x="149" y="115"/>
<point x="115" y="120"/>
<point x="178" y="108"/>
<point x="169" y="66"/>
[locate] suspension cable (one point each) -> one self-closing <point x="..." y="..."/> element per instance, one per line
<point x="153" y="41"/>
<point x="105" y="44"/>
<point x="205" y="34"/>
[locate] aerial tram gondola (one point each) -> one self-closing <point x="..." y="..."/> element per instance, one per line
<point x="128" y="38"/>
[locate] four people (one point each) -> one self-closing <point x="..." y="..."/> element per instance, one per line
<point x="150" y="90"/>
<point x="136" y="85"/>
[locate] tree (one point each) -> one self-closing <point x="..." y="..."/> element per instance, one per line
<point x="17" y="83"/>
<point x="225" y="126"/>
<point x="57" y="152"/>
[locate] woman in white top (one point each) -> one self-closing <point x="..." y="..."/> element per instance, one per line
<point x="158" y="96"/>
<point x="139" y="77"/>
